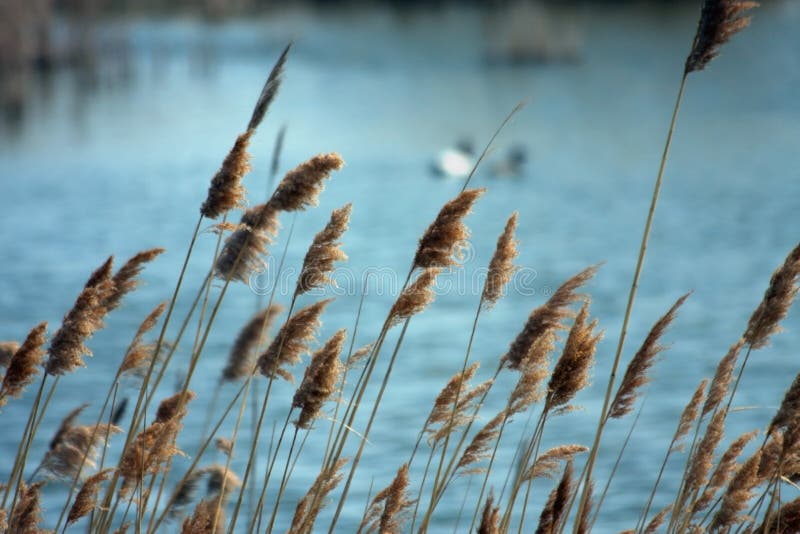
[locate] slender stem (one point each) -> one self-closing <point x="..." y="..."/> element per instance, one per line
<point x="422" y="486"/>
<point x="284" y="480"/>
<point x="518" y="107"/>
<point x="256" y="519"/>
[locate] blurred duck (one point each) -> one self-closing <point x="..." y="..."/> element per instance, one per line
<point x="455" y="162"/>
<point x="512" y="165"/>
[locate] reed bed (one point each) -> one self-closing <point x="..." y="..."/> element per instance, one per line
<point x="121" y="470"/>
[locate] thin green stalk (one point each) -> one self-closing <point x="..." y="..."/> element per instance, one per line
<point x="284" y="480"/>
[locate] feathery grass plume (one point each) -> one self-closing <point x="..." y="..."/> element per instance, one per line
<point x="546" y="464"/>
<point x="291" y="341"/>
<point x="319" y="380"/>
<point x="722" y="378"/>
<point x="302" y="185"/>
<point x="789" y="409"/>
<point x="689" y="416"/>
<point x="139" y="354"/>
<point x="185" y="492"/>
<point x="554" y="508"/>
<point x="3" y="521"/>
<point x="440" y="245"/>
<point x="442" y="408"/>
<point x="785" y="521"/>
<point x="241" y="359"/>
<point x="358" y="355"/>
<point x="323" y="252"/>
<point x="737" y="495"/>
<point x="544" y="322"/>
<point x="313" y="501"/>
<point x="224" y="445"/>
<point x="24" y="364"/>
<point x="27" y="513"/>
<point x="571" y="373"/>
<point x="490" y="518"/>
<point x="65" y="457"/>
<point x="528" y="389"/>
<point x="202" y="519"/>
<point x="226" y="191"/>
<point x="270" y="90"/>
<point x="719" y="21"/>
<point x="86" y="500"/>
<point x="67" y="347"/>
<point x="241" y="254"/>
<point x="777" y="300"/>
<point x="479" y="448"/>
<point x="583" y="523"/>
<point x="415" y="298"/>
<point x="702" y="459"/>
<point x="125" y="279"/>
<point x="221" y="482"/>
<point x="7" y="350"/>
<point x="771" y="455"/>
<point x="465" y="411"/>
<point x="395" y="504"/>
<point x="66" y="425"/>
<point x="636" y="373"/>
<point x="262" y="218"/>
<point x="174" y="406"/>
<point x="102" y="273"/>
<point x="723" y="471"/>
<point x="658" y="520"/>
<point x="501" y="266"/>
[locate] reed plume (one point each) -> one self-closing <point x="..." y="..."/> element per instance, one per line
<point x="241" y="254"/>
<point x="636" y="373"/>
<point x="125" y="279"/>
<point x="415" y="298"/>
<point x="221" y="482"/>
<point x="7" y="350"/>
<point x="443" y="405"/>
<point x="24" y="364"/>
<point x="319" y="380"/>
<point x="479" y="447"/>
<point x="785" y="521"/>
<point x="723" y="471"/>
<point x="501" y="266"/>
<point x="538" y="335"/>
<point x="689" y="416"/>
<point x="440" y="245"/>
<point x="270" y="90"/>
<point x="528" y="389"/>
<point x="74" y="449"/>
<point x="463" y="413"/>
<point x="241" y="359"/>
<point x="571" y="373"/>
<point x="302" y="185"/>
<point x="224" y="445"/>
<point x="392" y="503"/>
<point x="86" y="500"/>
<point x="546" y="464"/>
<point x="27" y="512"/>
<point x="313" y="501"/>
<point x="185" y="492"/>
<point x="719" y="21"/>
<point x="737" y="495"/>
<point x="778" y="298"/>
<point x="702" y="459"/>
<point x="226" y="190"/>
<point x="324" y="252"/>
<point x="262" y="218"/>
<point x="291" y="342"/>
<point x="202" y="519"/>
<point x="582" y="523"/>
<point x="174" y="407"/>
<point x="553" y="512"/>
<point x="490" y="518"/>
<point x="722" y="378"/>
<point x="658" y="520"/>
<point x="139" y="354"/>
<point x="789" y="410"/>
<point x="358" y="355"/>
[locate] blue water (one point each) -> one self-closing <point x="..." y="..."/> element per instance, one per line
<point x="123" y="165"/>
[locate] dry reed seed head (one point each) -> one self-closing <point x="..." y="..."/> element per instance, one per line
<point x="415" y="298"/>
<point x="66" y="424"/>
<point x="722" y="378"/>
<point x="224" y="445"/>
<point x="528" y="389"/>
<point x="102" y="273"/>
<point x="226" y="191"/>
<point x="174" y="407"/>
<point x="658" y="520"/>
<point x="202" y="519"/>
<point x="395" y="503"/>
<point x="3" y="521"/>
<point x="723" y="471"/>
<point x="291" y="342"/>
<point x="440" y="245"/>
<point x="76" y="451"/>
<point x="26" y="515"/>
<point x="571" y="373"/>
<point x="636" y="373"/>
<point x="358" y="355"/>
<point x="324" y="252"/>
<point x="148" y="454"/>
<point x="546" y="464"/>
<point x="125" y="279"/>
<point x="552" y="514"/>
<point x="771" y="455"/>
<point x="490" y="518"/>
<point x="262" y="218"/>
<point x="777" y="300"/>
<point x="24" y="364"/>
<point x="545" y="321"/>
<point x="583" y="523"/>
<point x="241" y="255"/>
<point x="221" y="481"/>
<point x="719" y="21"/>
<point x="702" y="459"/>
<point x="443" y="405"/>
<point x="501" y="267"/>
<point x="86" y="499"/>
<point x="7" y="350"/>
<point x="737" y="495"/>
<point x="789" y="410"/>
<point x="689" y="416"/>
<point x="140" y="353"/>
<point x="314" y="500"/>
<point x="270" y="90"/>
<point x="785" y="521"/>
<point x="300" y="187"/>
<point x="67" y="346"/>
<point x="241" y="360"/>
<point x="319" y="381"/>
<point x="185" y="492"/>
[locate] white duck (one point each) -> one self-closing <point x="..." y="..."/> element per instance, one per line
<point x="455" y="162"/>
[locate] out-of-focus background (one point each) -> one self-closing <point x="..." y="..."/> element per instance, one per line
<point x="115" y="115"/>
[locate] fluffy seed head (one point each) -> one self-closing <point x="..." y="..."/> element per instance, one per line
<point x="324" y="252"/>
<point x="490" y="518"/>
<point x="7" y="350"/>
<point x="24" y="364"/>
<point x="270" y="90"/>
<point x="226" y="191"/>
<point x="501" y="266"/>
<point x="86" y="500"/>
<point x="737" y="495"/>
<point x="689" y="415"/>
<point x="440" y="245"/>
<point x="314" y="500"/>
<point x="481" y="444"/>
<point x="547" y="463"/>
<point x="125" y="280"/>
<point x="241" y="359"/>
<point x="553" y="511"/>
<point x="415" y="298"/>
<point x="26" y="515"/>
<point x="302" y="185"/>
<point x="241" y="255"/>
<point x="702" y="459"/>
<point x="719" y="21"/>
<point x="722" y="378"/>
<point x="319" y="381"/>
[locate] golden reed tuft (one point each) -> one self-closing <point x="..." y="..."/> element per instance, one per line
<point x="722" y="378"/>
<point x="689" y="415"/>
<point x="443" y="405"/>
<point x="269" y="91"/>
<point x="658" y="520"/>
<point x="226" y="190"/>
<point x="789" y="410"/>
<point x="479" y="448"/>
<point x="291" y="341"/>
<point x="125" y="279"/>
<point x="308" y="508"/>
<point x="440" y="245"/>
<point x="777" y="300"/>
<point x="7" y="350"/>
<point x="324" y="252"/>
<point x="241" y="255"/>
<point x="553" y="512"/>
<point x="395" y="506"/>
<point x="501" y="267"/>
<point x="86" y="500"/>
<point x="139" y="355"/>
<point x="415" y="298"/>
<point x="302" y="185"/>
<point x="27" y="513"/>
<point x="174" y="407"/>
<point x="785" y="521"/>
<point x="737" y="495"/>
<point x="722" y="473"/>
<point x="636" y="373"/>
<point x="202" y="519"/>
<point x="490" y="518"/>
<point x="546" y="464"/>
<point x="702" y="460"/>
<point x="719" y="21"/>
<point x="241" y="360"/>
<point x="76" y="449"/>
<point x="319" y="381"/>
<point x="24" y="364"/>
